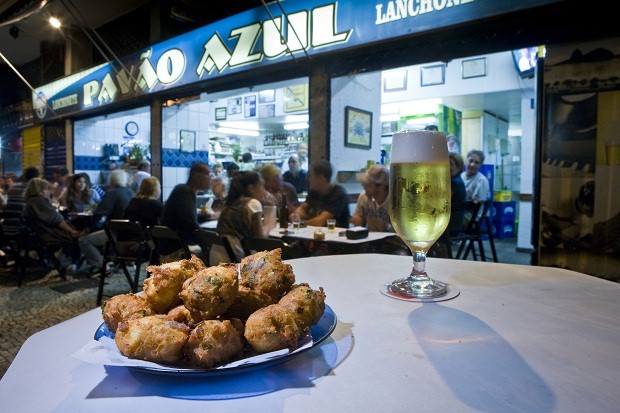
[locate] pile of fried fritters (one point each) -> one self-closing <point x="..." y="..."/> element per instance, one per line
<point x="198" y="316"/>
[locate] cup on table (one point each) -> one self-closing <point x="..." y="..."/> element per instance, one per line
<point x="296" y="220"/>
<point x="331" y="225"/>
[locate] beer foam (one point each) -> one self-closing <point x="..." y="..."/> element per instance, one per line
<point x="419" y="146"/>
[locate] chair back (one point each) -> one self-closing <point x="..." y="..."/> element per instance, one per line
<point x="128" y="239"/>
<point x="127" y="243"/>
<point x="207" y="238"/>
<point x="168" y="244"/>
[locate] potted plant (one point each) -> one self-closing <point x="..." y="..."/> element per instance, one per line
<point x="137" y="153"/>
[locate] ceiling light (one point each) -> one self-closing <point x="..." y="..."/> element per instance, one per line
<point x="55" y="22"/>
<point x="233" y="131"/>
<point x="295" y="126"/>
<point x="393" y="117"/>
<point x="240" y="124"/>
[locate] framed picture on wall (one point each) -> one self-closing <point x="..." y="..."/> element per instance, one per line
<point x="357" y="128"/>
<point x="296" y="98"/>
<point x="188" y="141"/>
<point x="234" y="106"/>
<point x="249" y="106"/>
<point x="220" y="113"/>
<point x="266" y="96"/>
<point x="474" y="68"/>
<point x="432" y="75"/>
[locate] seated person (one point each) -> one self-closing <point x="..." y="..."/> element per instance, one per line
<point x="476" y="184"/>
<point x="282" y="191"/>
<point x="218" y="187"/>
<point x="325" y="200"/>
<point x="145" y="207"/>
<point x="242" y="215"/>
<point x="295" y="175"/>
<point x="372" y="209"/>
<point x="79" y="194"/>
<point x="179" y="213"/>
<point x="247" y="164"/>
<point x="45" y="219"/>
<point x="112" y="206"/>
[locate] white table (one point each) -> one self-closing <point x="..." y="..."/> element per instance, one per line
<point x="516" y="339"/>
<point x="212" y="224"/>
<point x="307" y="233"/>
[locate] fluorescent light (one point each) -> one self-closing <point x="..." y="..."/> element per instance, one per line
<point x="295" y="126"/>
<point x="233" y="131"/>
<point x="240" y="124"/>
<point x="392" y="117"/>
<point x="422" y="121"/>
<point x="55" y="22"/>
<point x="296" y="118"/>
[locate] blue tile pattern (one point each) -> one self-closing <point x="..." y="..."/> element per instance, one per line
<point x="177" y="159"/>
<point x="171" y="158"/>
<point x="87" y="163"/>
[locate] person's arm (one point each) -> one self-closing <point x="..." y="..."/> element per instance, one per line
<point x="302" y="211"/>
<point x="357" y="219"/>
<point x="321" y="219"/>
<point x="69" y="229"/>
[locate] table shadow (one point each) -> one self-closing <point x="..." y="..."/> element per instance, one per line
<point x="480" y="367"/>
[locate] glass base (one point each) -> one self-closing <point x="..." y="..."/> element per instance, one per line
<point x="418" y="288"/>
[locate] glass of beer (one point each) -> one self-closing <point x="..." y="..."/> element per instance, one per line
<point x="419" y="204"/>
<point x="331" y="225"/>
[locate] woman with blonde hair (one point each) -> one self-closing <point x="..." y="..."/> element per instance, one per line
<point x="45" y="220"/>
<point x="146" y="207"/>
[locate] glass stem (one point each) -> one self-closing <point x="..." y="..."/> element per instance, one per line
<point x="419" y="265"/>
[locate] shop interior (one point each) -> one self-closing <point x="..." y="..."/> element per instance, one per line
<point x="478" y="99"/>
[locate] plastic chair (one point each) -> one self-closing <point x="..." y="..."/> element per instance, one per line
<point x="478" y="225"/>
<point x="168" y="245"/>
<point x="127" y="244"/>
<point x="22" y="240"/>
<point x="206" y="239"/>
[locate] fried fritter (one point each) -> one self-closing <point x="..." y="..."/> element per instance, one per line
<point x="212" y="343"/>
<point x="272" y="328"/>
<point x="210" y="292"/>
<point x="247" y="302"/>
<point x="154" y="338"/>
<point x="305" y="304"/>
<point x="182" y="315"/>
<point x="162" y="288"/>
<point x="124" y="307"/>
<point x="264" y="271"/>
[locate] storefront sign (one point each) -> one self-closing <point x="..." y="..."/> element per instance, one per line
<point x="257" y="38"/>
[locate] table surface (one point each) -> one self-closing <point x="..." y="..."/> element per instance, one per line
<point x="307" y="233"/>
<point x="516" y="339"/>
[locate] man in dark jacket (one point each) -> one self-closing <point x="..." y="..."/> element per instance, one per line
<point x="180" y="211"/>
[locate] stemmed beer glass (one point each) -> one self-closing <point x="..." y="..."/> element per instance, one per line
<point x="419" y="204"/>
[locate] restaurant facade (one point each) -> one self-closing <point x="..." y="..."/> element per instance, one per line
<point x="272" y="78"/>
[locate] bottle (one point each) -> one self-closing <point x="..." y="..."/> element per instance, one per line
<point x="283" y="213"/>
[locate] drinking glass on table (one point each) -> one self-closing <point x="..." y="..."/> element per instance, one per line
<point x="331" y="225"/>
<point x="296" y="220"/>
<point x="419" y="209"/>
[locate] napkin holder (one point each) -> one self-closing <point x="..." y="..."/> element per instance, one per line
<point x="356" y="233"/>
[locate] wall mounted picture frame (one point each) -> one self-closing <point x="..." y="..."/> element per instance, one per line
<point x="357" y="128"/>
<point x="249" y="106"/>
<point x="220" y="113"/>
<point x="234" y="106"/>
<point x="395" y="80"/>
<point x="474" y="67"/>
<point x="296" y="98"/>
<point x="188" y="141"/>
<point x="433" y="75"/>
<point x="266" y="96"/>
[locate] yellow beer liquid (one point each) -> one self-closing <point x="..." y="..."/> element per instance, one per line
<point x="420" y="202"/>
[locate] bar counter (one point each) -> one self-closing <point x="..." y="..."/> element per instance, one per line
<point x="516" y="339"/>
